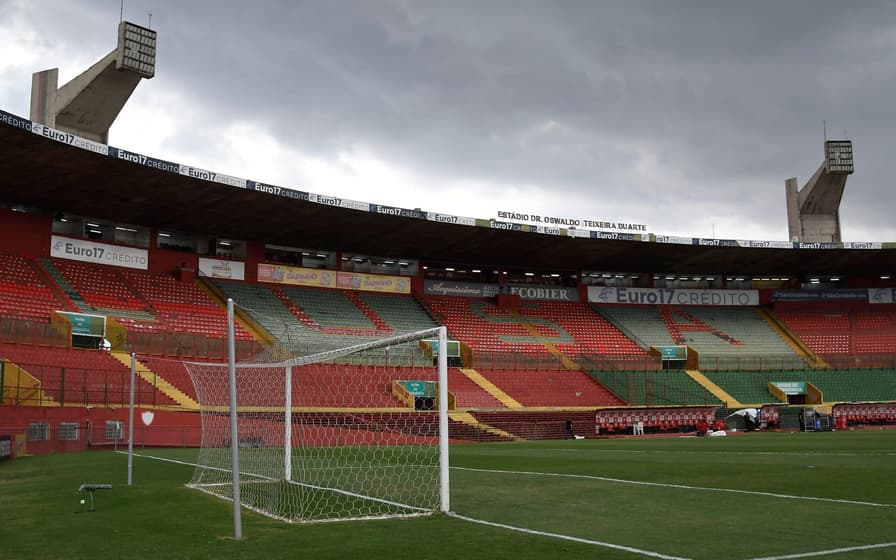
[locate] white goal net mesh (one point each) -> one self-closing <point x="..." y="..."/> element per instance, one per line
<point x="352" y="433"/>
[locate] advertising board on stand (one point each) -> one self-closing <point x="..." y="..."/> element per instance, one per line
<point x="373" y="282"/>
<point x="219" y="268"/>
<point x="549" y="293"/>
<point x="296" y="276"/>
<point x="882" y="295"/>
<point x="98" y="253"/>
<point x="820" y="295"/>
<point x="672" y="296"/>
<point x="460" y="289"/>
<point x="318" y="278"/>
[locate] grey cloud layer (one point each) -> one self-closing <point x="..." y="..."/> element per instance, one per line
<point x="649" y="103"/>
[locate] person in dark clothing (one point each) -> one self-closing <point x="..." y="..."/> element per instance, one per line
<point x="567" y="431"/>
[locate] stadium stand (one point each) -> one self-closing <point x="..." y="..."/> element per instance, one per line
<point x="572" y="329"/>
<point x="655" y="388"/>
<point x="398" y="313"/>
<point x="837" y="385"/>
<point x="551" y="388"/>
<point x="724" y="337"/>
<point x="23" y="292"/>
<point x="840" y="329"/>
<point x="80" y="376"/>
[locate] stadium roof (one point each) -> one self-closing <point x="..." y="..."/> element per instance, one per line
<point x="41" y="172"/>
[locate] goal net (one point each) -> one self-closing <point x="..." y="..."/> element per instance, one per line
<point x="353" y="433"/>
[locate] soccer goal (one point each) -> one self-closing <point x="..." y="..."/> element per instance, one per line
<point x="336" y="435"/>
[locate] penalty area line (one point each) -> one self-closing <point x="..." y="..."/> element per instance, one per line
<point x="826" y="552"/>
<point x="631" y="549"/>
<point x="682" y="486"/>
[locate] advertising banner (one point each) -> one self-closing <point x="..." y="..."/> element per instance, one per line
<point x="765" y="244"/>
<point x="396" y="211"/>
<point x="339" y="202"/>
<point x="863" y="245"/>
<point x="672" y="296"/>
<point x="98" y="253"/>
<point x="12" y="120"/>
<point x="509" y="226"/>
<point x="275" y="190"/>
<point x="815" y="245"/>
<point x="449" y="219"/>
<point x="297" y="276"/>
<point x="819" y="295"/>
<point x="212" y="176"/>
<point x="882" y="295"/>
<point x="550" y="230"/>
<point x="711" y="242"/>
<point x="373" y="282"/>
<point x="460" y="289"/>
<point x="673" y="239"/>
<point x="550" y="293"/>
<point x="140" y="159"/>
<point x="615" y="236"/>
<point x="218" y="268"/>
<point x="69" y="138"/>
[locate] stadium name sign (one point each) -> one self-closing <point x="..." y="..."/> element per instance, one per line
<point x="98" y="253"/>
<point x="670" y="296"/>
<point x="570" y="222"/>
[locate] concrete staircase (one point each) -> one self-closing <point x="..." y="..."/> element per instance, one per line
<point x="490" y="388"/>
<point x="162" y="385"/>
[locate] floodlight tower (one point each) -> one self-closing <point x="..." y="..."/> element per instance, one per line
<point x="88" y="105"/>
<point x="813" y="213"/>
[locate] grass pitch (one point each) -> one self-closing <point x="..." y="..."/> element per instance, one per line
<point x="744" y="497"/>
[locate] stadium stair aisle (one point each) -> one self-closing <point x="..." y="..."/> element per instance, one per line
<point x="161" y="384"/>
<point x="60" y="280"/>
<point x="240" y="316"/>
<point x="52" y="285"/>
<point x="551" y="348"/>
<point x="20" y="388"/>
<point x="470" y="420"/>
<point x="813" y="359"/>
<point x="491" y="388"/>
<point x="367" y="311"/>
<point x="717" y="391"/>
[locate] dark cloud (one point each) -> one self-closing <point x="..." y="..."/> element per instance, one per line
<point x="661" y="107"/>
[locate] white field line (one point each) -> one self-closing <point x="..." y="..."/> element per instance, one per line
<point x="827" y="552"/>
<point x="682" y="486"/>
<point x="872" y="452"/>
<point x="640" y="551"/>
<point x="633" y="550"/>
<point x="271" y="479"/>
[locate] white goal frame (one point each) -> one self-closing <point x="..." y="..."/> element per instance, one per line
<point x="289" y="407"/>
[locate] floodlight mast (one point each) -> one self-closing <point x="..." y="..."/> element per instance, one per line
<point x="813" y="212"/>
<point x="89" y="104"/>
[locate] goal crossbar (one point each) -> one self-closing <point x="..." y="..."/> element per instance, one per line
<point x="299" y="427"/>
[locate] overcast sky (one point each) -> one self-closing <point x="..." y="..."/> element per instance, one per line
<point x="686" y="116"/>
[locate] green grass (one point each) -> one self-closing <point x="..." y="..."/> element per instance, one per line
<point x="580" y="489"/>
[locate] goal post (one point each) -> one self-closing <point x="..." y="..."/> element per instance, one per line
<point x="322" y="438"/>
